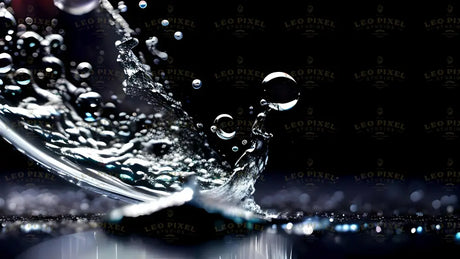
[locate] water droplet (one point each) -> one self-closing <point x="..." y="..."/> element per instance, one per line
<point x="29" y="20"/>
<point x="165" y="22"/>
<point x="54" y="67"/>
<point x="90" y="104"/>
<point x="7" y="21"/>
<point x="281" y="91"/>
<point x="222" y="123"/>
<point x="30" y="41"/>
<point x="76" y="7"/>
<point x="178" y="35"/>
<point x="196" y="84"/>
<point x="23" y="76"/>
<point x="6" y="63"/>
<point x="142" y="4"/>
<point x="12" y="91"/>
<point x="122" y="7"/>
<point x="84" y="70"/>
<point x="55" y="42"/>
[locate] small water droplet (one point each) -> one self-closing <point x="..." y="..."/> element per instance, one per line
<point x="142" y="4"/>
<point x="84" y="70"/>
<point x="90" y="105"/>
<point x="23" y="76"/>
<point x="54" y="67"/>
<point x="178" y="35"/>
<point x="122" y="7"/>
<point x="196" y="84"/>
<point x="165" y="22"/>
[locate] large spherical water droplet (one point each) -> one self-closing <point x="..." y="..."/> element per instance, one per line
<point x="23" y="76"/>
<point x="281" y="91"/>
<point x="142" y="4"/>
<point x="222" y="123"/>
<point x="7" y="21"/>
<point x="178" y="35"/>
<point x="6" y="63"/>
<point x="90" y="105"/>
<point x="196" y="84"/>
<point x="76" y="7"/>
<point x="54" y="67"/>
<point x="84" y="70"/>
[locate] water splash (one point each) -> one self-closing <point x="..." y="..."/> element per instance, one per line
<point x="71" y="130"/>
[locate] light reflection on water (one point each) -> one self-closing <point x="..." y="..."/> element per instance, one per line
<point x="96" y="244"/>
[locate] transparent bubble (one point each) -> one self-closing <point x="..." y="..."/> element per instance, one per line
<point x="12" y="90"/>
<point x="122" y="7"/>
<point x="178" y="35"/>
<point x="165" y="22"/>
<point x="23" y="76"/>
<point x="235" y="149"/>
<point x="142" y="4"/>
<point x="221" y="123"/>
<point x="29" y="20"/>
<point x="6" y="63"/>
<point x="30" y="41"/>
<point x="76" y="7"/>
<point x="7" y="21"/>
<point x="54" y="67"/>
<point x="84" y="70"/>
<point x="55" y="41"/>
<point x="90" y="105"/>
<point x="280" y="91"/>
<point x="196" y="84"/>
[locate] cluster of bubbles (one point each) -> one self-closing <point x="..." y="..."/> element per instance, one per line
<point x="69" y="118"/>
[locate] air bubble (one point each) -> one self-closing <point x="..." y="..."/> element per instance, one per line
<point x="84" y="70"/>
<point x="23" y="76"/>
<point x="222" y="123"/>
<point x="122" y="7"/>
<point x="6" y="63"/>
<point x="76" y="7"/>
<point x="142" y="4"/>
<point x="165" y="23"/>
<point x="178" y="35"/>
<point x="196" y="84"/>
<point x="281" y="91"/>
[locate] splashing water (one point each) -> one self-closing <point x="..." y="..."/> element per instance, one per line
<point x="73" y="132"/>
